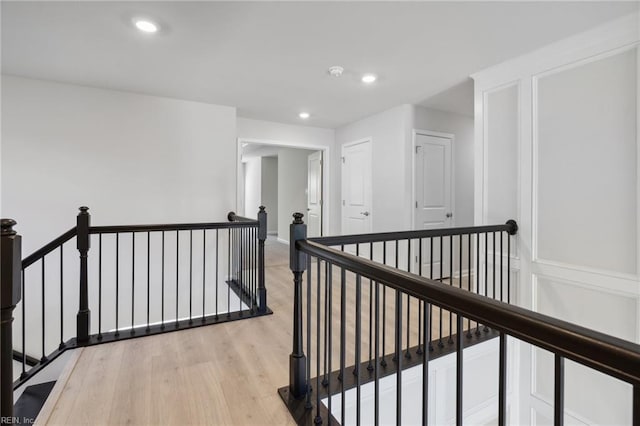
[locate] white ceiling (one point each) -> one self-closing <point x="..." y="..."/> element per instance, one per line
<point x="270" y="59"/>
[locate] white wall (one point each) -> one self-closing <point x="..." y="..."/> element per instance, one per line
<point x="292" y="187"/>
<point x="270" y="191"/>
<point x="132" y="159"/>
<point x="253" y="186"/>
<point x="391" y="173"/>
<point x="315" y="138"/>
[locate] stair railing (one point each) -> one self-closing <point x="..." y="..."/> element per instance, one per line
<point x="334" y="276"/>
<point x="125" y="277"/>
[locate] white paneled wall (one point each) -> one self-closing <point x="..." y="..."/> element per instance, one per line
<point x="557" y="148"/>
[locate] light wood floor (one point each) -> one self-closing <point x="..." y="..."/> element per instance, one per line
<point x="225" y="374"/>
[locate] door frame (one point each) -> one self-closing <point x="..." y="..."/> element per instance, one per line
<point x="326" y="168"/>
<point x="452" y="190"/>
<point x="368" y="139"/>
<point x="322" y="209"/>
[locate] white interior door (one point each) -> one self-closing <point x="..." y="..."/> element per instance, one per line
<point x="314" y="194"/>
<point x="356" y="188"/>
<point x="433" y="199"/>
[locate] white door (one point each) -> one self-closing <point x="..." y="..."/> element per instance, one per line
<point x="433" y="199"/>
<point x="314" y="194"/>
<point x="356" y="188"/>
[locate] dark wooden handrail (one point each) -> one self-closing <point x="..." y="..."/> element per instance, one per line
<point x="169" y="227"/>
<point x="510" y="227"/>
<point x="610" y="355"/>
<point x="40" y="253"/>
<point x="233" y="217"/>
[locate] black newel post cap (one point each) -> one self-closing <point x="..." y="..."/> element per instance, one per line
<point x="230" y="216"/>
<point x="84" y="210"/>
<point x="514" y="227"/>
<point x="262" y="208"/>
<point x="297" y="218"/>
<point x="7" y="226"/>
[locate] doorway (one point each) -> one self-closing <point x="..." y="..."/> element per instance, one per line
<point x="433" y="196"/>
<point x="285" y="179"/>
<point x="356" y="188"/>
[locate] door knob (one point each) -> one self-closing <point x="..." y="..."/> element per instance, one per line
<point x="364" y="213"/>
<point x="449" y="214"/>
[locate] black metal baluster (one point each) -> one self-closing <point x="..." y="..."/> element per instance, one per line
<point x="240" y="272"/>
<point x="217" y="235"/>
<point x="148" y="279"/>
<point x="384" y="309"/>
<point x="398" y="357"/>
<point x="508" y="268"/>
<point x="430" y="342"/>
<point x="493" y="266"/>
<point x="117" y="281"/>
<point x="133" y="279"/>
<point x="558" y="392"/>
<point x="502" y="381"/>
<point x="425" y="365"/>
<point x="397" y="331"/>
<point x="177" y="273"/>
<point x="408" y="353"/>
<point x="44" y="357"/>
<point x="440" y="344"/>
<point x="308" y="375"/>
<point x="356" y="363"/>
<point x="369" y="365"/>
<point x="99" y="287"/>
<point x="376" y="380"/>
<point x="420" y="302"/>
<point x="477" y="275"/>
<point x="636" y="405"/>
<point x="190" y="276"/>
<point x="329" y="283"/>
<point x="469" y="279"/>
<point x="318" y="418"/>
<point x="459" y="381"/>
<point x="501" y="267"/>
<point x="62" y="345"/>
<point x="162" y="283"/>
<point x="325" y="381"/>
<point x="204" y="271"/>
<point x="343" y="321"/>
<point x="24" y="324"/>
<point x="358" y="339"/>
<point x="459" y="328"/>
<point x="486" y="270"/>
<point x="450" y="340"/>
<point x="230" y="275"/>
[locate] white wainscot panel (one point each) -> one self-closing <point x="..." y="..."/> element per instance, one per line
<point x="585" y="155"/>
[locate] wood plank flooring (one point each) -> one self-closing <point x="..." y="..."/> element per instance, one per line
<point x="225" y="374"/>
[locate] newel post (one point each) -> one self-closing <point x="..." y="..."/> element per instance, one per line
<point x="10" y="286"/>
<point x="297" y="262"/>
<point x="84" y="315"/>
<point x="262" y="236"/>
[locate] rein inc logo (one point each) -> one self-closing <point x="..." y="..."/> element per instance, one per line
<point x="16" y="420"/>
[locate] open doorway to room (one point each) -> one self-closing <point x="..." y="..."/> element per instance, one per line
<point x="285" y="179"/>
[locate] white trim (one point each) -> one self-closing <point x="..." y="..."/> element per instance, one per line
<point x="326" y="170"/>
<point x="283" y="241"/>
<point x="368" y="139"/>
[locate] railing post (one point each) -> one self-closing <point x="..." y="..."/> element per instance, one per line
<point x="262" y="236"/>
<point x="297" y="262"/>
<point x="83" y="243"/>
<point x="10" y="283"/>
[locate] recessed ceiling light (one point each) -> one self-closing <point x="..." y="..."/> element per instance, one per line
<point x="369" y="78"/>
<point x="304" y="115"/>
<point x="146" y="26"/>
